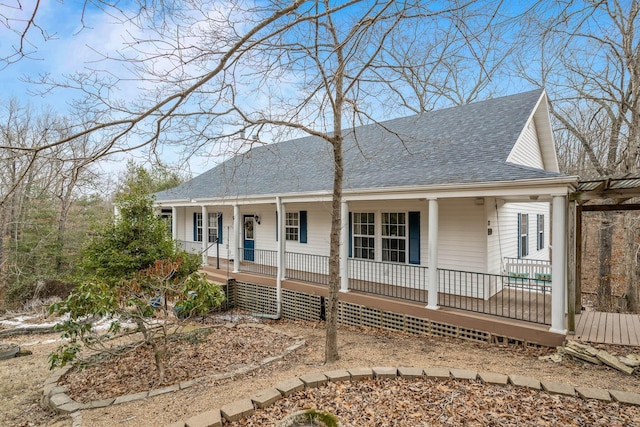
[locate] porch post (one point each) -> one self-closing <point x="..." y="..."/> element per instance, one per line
<point x="282" y="239"/>
<point x="344" y="248"/>
<point x="236" y="238"/>
<point x="432" y="301"/>
<point x="281" y="253"/>
<point x="205" y="235"/>
<point x="558" y="265"/>
<point x="174" y="223"/>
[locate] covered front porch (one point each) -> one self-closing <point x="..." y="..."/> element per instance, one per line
<point x="437" y="240"/>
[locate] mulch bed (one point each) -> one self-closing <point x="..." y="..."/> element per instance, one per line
<point x="212" y="351"/>
<point x="428" y="402"/>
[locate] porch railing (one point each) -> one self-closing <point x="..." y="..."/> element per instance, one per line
<point x="405" y="281"/>
<point x="498" y="295"/>
<point x="308" y="268"/>
<point x="539" y="270"/>
<point x="523" y="292"/>
<point x="259" y="261"/>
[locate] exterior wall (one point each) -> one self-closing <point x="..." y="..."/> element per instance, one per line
<point x="526" y="151"/>
<point x="462" y="235"/>
<point x="185" y="230"/>
<point x="503" y="242"/>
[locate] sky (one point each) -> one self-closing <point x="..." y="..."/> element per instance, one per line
<point x="74" y="37"/>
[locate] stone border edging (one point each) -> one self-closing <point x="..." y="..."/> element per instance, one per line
<point x="246" y="407"/>
<point x="56" y="397"/>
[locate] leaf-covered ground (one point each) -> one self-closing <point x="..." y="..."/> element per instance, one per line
<point x="426" y="402"/>
<point x="209" y="352"/>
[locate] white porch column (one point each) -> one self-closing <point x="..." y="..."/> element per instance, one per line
<point x="432" y="302"/>
<point x="237" y="233"/>
<point x="344" y="247"/>
<point x="174" y="223"/>
<point x="282" y="239"/>
<point x="558" y="263"/>
<point x="205" y="235"/>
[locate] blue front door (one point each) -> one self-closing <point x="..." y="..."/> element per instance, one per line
<point x="249" y="241"/>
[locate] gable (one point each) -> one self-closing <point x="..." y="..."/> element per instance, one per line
<point x="526" y="150"/>
<point x="535" y="147"/>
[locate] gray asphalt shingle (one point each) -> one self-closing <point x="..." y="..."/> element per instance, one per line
<point x="459" y="145"/>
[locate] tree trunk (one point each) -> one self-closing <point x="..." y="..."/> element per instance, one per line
<point x="631" y="264"/>
<point x="331" y="345"/>
<point x="604" y="269"/>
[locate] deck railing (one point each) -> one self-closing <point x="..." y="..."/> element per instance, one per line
<point x="308" y="268"/>
<point x="505" y="296"/>
<point x="259" y="261"/>
<point x="522" y="293"/>
<point x="405" y="281"/>
<point x="535" y="269"/>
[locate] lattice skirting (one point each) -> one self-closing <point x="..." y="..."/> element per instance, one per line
<point x="300" y="306"/>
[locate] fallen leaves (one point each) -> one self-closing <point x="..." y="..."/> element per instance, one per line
<point x="218" y="351"/>
<point x="427" y="402"/>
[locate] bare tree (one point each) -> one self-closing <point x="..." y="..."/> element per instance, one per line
<point x="312" y="68"/>
<point x="588" y="57"/>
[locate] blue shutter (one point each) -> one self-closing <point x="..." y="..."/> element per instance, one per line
<point x="519" y="237"/>
<point x="414" y="237"/>
<point x="276" y="226"/>
<point x="220" y="233"/>
<point x="350" y="234"/>
<point x="195" y="227"/>
<point x="303" y="226"/>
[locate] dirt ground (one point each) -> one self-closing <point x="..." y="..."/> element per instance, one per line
<point x="22" y="378"/>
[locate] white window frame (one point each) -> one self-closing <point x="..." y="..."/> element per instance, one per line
<point x="523" y="235"/>
<point x="394" y="233"/>
<point x="363" y="227"/>
<point x="198" y="226"/>
<point x="292" y="226"/>
<point x="540" y="244"/>
<point x="212" y="226"/>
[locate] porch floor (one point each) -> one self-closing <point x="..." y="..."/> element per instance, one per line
<point x="608" y="328"/>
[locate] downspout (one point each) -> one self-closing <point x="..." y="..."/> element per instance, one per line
<point x="280" y="262"/>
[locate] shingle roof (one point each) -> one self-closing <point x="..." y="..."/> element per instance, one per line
<point x="465" y="144"/>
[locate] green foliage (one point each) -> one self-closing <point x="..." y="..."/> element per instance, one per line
<point x="145" y="300"/>
<point x="138" y="179"/>
<point x="132" y="242"/>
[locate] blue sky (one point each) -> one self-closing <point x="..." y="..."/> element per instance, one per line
<point x="71" y="49"/>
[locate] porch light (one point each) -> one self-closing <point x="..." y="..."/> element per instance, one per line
<point x="256" y="219"/>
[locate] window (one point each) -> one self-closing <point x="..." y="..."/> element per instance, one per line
<point x="292" y="226"/>
<point x="167" y="217"/>
<point x="540" y="232"/>
<point x="523" y="239"/>
<point x="364" y="231"/>
<point x="197" y="227"/>
<point x="394" y="240"/>
<point x="213" y="226"/>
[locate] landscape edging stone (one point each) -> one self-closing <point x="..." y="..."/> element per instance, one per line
<point x="629" y="398"/>
<point x="56" y="397"/>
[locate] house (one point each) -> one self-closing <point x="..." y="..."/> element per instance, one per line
<point x="454" y="208"/>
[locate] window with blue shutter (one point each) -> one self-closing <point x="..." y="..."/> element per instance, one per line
<point x="197" y="227"/>
<point x="414" y="237"/>
<point x="220" y="232"/>
<point x="303" y="226"/>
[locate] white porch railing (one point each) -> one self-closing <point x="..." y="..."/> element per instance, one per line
<point x="535" y="273"/>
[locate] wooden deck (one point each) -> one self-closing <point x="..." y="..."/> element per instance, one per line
<point x="608" y="328"/>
